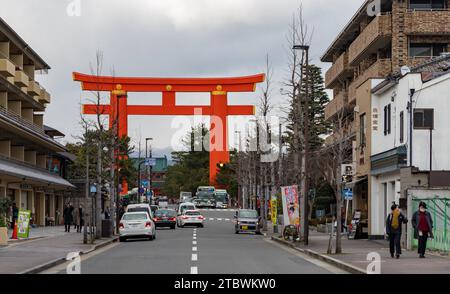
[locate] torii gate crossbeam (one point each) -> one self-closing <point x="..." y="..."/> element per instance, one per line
<point x="219" y="110"/>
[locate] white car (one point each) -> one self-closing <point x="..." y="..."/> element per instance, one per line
<point x="191" y="217"/>
<point x="136" y="225"/>
<point x="182" y="208"/>
<point x="142" y="207"/>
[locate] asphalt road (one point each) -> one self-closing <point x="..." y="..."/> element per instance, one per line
<point x="214" y="249"/>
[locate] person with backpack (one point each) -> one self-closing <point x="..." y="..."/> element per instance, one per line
<point x="394" y="223"/>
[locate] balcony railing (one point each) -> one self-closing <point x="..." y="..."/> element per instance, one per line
<point x="335" y="105"/>
<point x="380" y="69"/>
<point x="373" y="37"/>
<point x="427" y="22"/>
<point x="22" y="123"/>
<point x="339" y="67"/>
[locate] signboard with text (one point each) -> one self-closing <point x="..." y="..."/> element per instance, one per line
<point x="274" y="209"/>
<point x="23" y="224"/>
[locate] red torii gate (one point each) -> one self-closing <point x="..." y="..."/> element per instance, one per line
<point x="218" y="108"/>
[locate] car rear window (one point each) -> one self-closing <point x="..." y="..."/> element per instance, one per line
<point x="135" y="216"/>
<point x="137" y="209"/>
<point x="192" y="213"/>
<point x="169" y="213"/>
<point x="187" y="207"/>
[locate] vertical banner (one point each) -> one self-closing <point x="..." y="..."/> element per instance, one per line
<point x="23" y="224"/>
<point x="274" y="209"/>
<point x="291" y="214"/>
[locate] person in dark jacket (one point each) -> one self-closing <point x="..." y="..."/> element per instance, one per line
<point x="68" y="217"/>
<point x="394" y="230"/>
<point x="423" y="227"/>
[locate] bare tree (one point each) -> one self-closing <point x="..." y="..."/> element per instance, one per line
<point x="337" y="151"/>
<point x="298" y="35"/>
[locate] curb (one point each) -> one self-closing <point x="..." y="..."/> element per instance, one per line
<point x="330" y="260"/>
<point x="42" y="267"/>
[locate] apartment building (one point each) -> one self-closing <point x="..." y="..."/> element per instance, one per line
<point x="403" y="33"/>
<point x="32" y="162"/>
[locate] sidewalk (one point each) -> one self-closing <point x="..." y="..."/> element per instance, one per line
<point x="50" y="246"/>
<point x="355" y="255"/>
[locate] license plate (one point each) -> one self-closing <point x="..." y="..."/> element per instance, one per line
<point x="245" y="227"/>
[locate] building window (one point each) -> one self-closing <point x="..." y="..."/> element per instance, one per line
<point x="402" y="127"/>
<point x="427" y="4"/>
<point x="423" y="118"/>
<point x="387" y="119"/>
<point x="362" y="130"/>
<point x="426" y="50"/>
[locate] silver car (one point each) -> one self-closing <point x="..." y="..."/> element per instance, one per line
<point x="247" y="220"/>
<point x="136" y="225"/>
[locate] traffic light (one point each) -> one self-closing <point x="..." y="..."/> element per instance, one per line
<point x="347" y="178"/>
<point x="221" y="165"/>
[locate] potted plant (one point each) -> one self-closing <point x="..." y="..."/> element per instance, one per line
<point x="4" y="206"/>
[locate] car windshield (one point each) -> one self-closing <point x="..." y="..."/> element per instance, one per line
<point x="192" y="213"/>
<point x="165" y="212"/>
<point x="222" y="197"/>
<point x="205" y="195"/>
<point x="248" y="214"/>
<point x="134" y="216"/>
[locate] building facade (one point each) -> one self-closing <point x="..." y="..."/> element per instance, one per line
<point x="409" y="149"/>
<point x="374" y="45"/>
<point x="32" y="162"/>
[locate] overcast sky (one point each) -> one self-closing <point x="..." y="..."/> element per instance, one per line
<point x="186" y="38"/>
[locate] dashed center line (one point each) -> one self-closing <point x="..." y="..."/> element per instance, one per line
<point x="194" y="257"/>
<point x="194" y="270"/>
<point x="211" y="218"/>
<point x="194" y="248"/>
<point x="194" y="242"/>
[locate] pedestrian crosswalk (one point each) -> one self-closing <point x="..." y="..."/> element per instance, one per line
<point x="218" y="209"/>
<point x="218" y="219"/>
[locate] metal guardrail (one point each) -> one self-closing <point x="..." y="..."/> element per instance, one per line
<point x="29" y="126"/>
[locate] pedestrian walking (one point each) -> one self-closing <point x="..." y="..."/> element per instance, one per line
<point x="76" y="219"/>
<point x="15" y="215"/>
<point x="81" y="223"/>
<point x="68" y="217"/>
<point x="394" y="230"/>
<point x="423" y="227"/>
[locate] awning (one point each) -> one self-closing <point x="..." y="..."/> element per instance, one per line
<point x="24" y="172"/>
<point x="356" y="182"/>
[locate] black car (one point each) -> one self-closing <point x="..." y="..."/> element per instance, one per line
<point x="165" y="218"/>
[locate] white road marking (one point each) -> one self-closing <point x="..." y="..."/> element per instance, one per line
<point x="194" y="270"/>
<point x="194" y="242"/>
<point x="194" y="257"/>
<point x="219" y="219"/>
<point x="195" y="237"/>
<point x="227" y="219"/>
<point x="211" y="218"/>
<point x="194" y="248"/>
<point x="312" y="260"/>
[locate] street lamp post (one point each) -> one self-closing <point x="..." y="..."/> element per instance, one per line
<point x="240" y="186"/>
<point x="306" y="146"/>
<point x="148" y="174"/>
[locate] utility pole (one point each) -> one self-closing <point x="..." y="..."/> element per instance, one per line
<point x="87" y="189"/>
<point x="305" y="161"/>
<point x="148" y="169"/>
<point x="239" y="173"/>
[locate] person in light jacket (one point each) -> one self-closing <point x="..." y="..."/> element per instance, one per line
<point x="423" y="227"/>
<point x="394" y="223"/>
